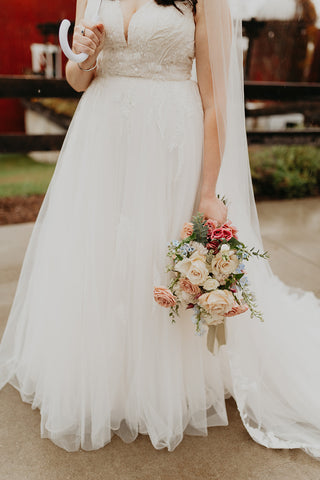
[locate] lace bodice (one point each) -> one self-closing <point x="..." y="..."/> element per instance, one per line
<point x="160" y="41"/>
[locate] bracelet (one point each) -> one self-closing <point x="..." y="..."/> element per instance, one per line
<point x="88" y="69"/>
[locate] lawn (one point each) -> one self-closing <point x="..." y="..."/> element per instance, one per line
<point x="20" y="175"/>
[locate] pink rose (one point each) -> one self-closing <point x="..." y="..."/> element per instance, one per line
<point x="237" y="309"/>
<point x="227" y="234"/>
<point x="187" y="230"/>
<point x="189" y="287"/>
<point x="217" y="233"/>
<point x="212" y="224"/>
<point x="164" y="297"/>
<point x="231" y="227"/>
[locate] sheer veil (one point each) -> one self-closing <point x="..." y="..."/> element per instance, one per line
<point x="273" y="370"/>
<point x="224" y="32"/>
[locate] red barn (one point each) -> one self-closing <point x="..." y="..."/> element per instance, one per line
<point x="18" y="26"/>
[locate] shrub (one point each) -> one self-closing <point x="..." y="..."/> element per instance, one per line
<point x="285" y="171"/>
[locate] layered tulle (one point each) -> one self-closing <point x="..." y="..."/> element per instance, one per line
<point x="85" y="341"/>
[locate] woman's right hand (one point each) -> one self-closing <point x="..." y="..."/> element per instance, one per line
<point x="90" y="43"/>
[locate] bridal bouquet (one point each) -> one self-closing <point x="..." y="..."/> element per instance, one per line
<point x="209" y="277"/>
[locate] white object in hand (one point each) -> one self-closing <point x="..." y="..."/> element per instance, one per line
<point x="63" y="38"/>
<point x="91" y="12"/>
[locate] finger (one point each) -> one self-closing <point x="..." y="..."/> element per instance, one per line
<point x="82" y="48"/>
<point x="100" y="28"/>
<point x="91" y="35"/>
<point x="85" y="46"/>
<point x="97" y="28"/>
<point x="88" y="34"/>
<point x="85" y="41"/>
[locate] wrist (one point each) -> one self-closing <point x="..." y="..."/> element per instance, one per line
<point x="208" y="194"/>
<point x="88" y="64"/>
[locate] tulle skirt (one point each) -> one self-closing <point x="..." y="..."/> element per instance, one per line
<point x="85" y="341"/>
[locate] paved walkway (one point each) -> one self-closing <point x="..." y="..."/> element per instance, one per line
<point x="291" y="233"/>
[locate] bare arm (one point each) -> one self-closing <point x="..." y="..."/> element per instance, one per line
<point x="210" y="205"/>
<point x="91" y="44"/>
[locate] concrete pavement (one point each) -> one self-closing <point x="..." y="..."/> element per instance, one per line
<point x="291" y="233"/>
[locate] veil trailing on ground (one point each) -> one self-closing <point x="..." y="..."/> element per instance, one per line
<point x="270" y="368"/>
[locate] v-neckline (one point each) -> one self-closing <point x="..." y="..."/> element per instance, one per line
<point x="126" y="34"/>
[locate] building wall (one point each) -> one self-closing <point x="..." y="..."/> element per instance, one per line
<point x="18" y="26"/>
<point x="279" y="52"/>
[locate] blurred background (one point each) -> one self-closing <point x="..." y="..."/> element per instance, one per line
<point x="281" y="46"/>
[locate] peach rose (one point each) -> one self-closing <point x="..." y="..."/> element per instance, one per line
<point x="217" y="303"/>
<point x="187" y="230"/>
<point x="237" y="309"/>
<point x="189" y="287"/>
<point x="164" y="297"/>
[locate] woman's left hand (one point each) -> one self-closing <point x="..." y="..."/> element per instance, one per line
<point x="214" y="208"/>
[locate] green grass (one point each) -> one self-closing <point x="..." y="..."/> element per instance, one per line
<point x="20" y="175"/>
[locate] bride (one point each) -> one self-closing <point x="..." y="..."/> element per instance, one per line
<point x="152" y="142"/>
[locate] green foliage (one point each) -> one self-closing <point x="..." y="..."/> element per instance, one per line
<point x="20" y="175"/>
<point x="285" y="171"/>
<point x="250" y="299"/>
<point x="200" y="231"/>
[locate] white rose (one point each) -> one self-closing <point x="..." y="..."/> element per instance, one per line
<point x="199" y="247"/>
<point x="194" y="268"/>
<point x="225" y="247"/>
<point x="217" y="303"/>
<point x="198" y="272"/>
<point x="183" y="266"/>
<point x="187" y="297"/>
<point x="224" y="263"/>
<point x="211" y="284"/>
<point x="197" y="256"/>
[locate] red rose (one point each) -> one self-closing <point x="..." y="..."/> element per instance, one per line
<point x="213" y="245"/>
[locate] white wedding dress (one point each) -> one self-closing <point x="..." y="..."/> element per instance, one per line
<point x="85" y="341"/>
